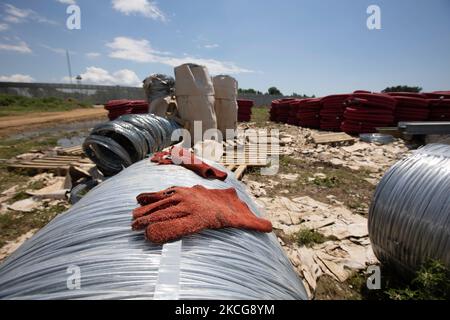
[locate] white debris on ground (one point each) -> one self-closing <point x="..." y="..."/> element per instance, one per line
<point x="12" y="246"/>
<point x="347" y="247"/>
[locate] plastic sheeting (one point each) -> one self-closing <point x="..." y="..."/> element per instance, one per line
<point x="409" y="220"/>
<point x="117" y="144"/>
<point x="117" y="263"/>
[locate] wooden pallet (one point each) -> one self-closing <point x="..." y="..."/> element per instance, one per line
<point x="57" y="164"/>
<point x="334" y="137"/>
<point x="70" y="151"/>
<point x="238" y="170"/>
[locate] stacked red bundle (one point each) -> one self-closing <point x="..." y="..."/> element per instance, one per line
<point x="294" y="108"/>
<point x="245" y="110"/>
<point x="367" y="111"/>
<point x="118" y="108"/>
<point x="280" y="110"/>
<point x="410" y="106"/>
<point x="438" y="95"/>
<point x="308" y="114"/>
<point x="332" y="112"/>
<point x="440" y="110"/>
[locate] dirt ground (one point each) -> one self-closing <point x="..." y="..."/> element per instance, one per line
<point x="16" y="124"/>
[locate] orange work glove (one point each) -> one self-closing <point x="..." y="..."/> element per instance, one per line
<point x="187" y="159"/>
<point x="179" y="211"/>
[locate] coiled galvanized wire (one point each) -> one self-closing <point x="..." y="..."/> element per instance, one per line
<point x="117" y="263"/>
<point x="158" y="86"/>
<point x="409" y="219"/>
<point x="117" y="144"/>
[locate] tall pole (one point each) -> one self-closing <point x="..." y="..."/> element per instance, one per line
<point x="69" y="66"/>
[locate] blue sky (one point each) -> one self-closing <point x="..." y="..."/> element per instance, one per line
<point x="305" y="46"/>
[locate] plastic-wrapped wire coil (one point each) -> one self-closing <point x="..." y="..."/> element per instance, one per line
<point x="117" y="144"/>
<point x="376" y="138"/>
<point x="117" y="263"/>
<point x="158" y="85"/>
<point x="409" y="219"/>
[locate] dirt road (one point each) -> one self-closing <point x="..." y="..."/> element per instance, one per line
<point x="16" y="124"/>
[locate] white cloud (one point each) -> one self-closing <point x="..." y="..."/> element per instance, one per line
<point x="146" y="8"/>
<point x="17" y="78"/>
<point x="211" y="46"/>
<point x="93" y="55"/>
<point x="60" y="51"/>
<point x="96" y="75"/>
<point x="142" y="51"/>
<point x="20" y="47"/>
<point x="3" y="27"/>
<point x="67" y="1"/>
<point x="17" y="15"/>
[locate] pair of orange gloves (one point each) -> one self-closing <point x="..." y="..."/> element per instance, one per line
<point x="179" y="211"/>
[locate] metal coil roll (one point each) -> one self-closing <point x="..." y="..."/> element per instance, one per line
<point x="409" y="219"/>
<point x="117" y="144"/>
<point x="117" y="263"/>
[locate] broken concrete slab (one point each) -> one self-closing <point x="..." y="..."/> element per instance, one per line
<point x="27" y="205"/>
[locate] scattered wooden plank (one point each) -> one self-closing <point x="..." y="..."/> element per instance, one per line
<point x="240" y="171"/>
<point x="58" y="164"/>
<point x="237" y="170"/>
<point x="74" y="151"/>
<point x="334" y="137"/>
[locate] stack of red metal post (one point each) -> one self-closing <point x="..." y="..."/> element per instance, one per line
<point x="117" y="108"/>
<point x="332" y="112"/>
<point x="308" y="113"/>
<point x="280" y="110"/>
<point x="244" y="109"/>
<point x="367" y="111"/>
<point x="440" y="110"/>
<point x="410" y="106"/>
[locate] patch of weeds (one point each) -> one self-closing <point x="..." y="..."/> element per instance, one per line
<point x="260" y="116"/>
<point x="36" y="185"/>
<point x="14" y="224"/>
<point x="12" y="147"/>
<point x="21" y="195"/>
<point x="12" y="105"/>
<point x="306" y="237"/>
<point x="327" y="182"/>
<point x="432" y="282"/>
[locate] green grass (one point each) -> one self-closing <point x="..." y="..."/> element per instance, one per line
<point x="11" y="105"/>
<point x="12" y="147"/>
<point x="430" y="282"/>
<point x="260" y="116"/>
<point x="306" y="237"/>
<point x="328" y="182"/>
<point x="14" y="224"/>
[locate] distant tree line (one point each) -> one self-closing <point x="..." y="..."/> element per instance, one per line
<point x="272" y="91"/>
<point x="402" y="89"/>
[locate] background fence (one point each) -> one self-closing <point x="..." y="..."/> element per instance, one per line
<point x="94" y="93"/>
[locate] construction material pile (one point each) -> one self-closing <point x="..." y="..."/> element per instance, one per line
<point x="332" y="112"/>
<point x="245" y="109"/>
<point x="409" y="216"/>
<point x="411" y="107"/>
<point x="308" y="113"/>
<point x="365" y="112"/>
<point x="117" y="108"/>
<point x="362" y="111"/>
<point x="280" y="110"/>
<point x="117" y="144"/>
<point x="440" y="109"/>
<point x="117" y="263"/>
